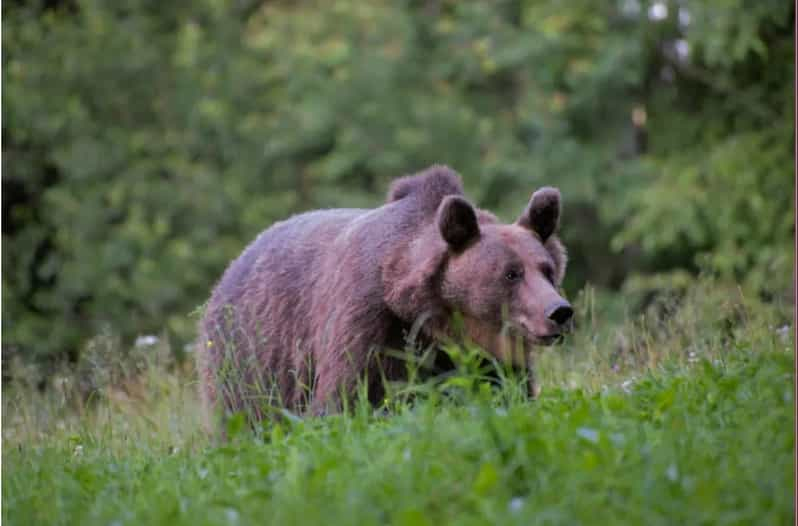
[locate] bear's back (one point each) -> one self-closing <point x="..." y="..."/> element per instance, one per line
<point x="285" y="252"/>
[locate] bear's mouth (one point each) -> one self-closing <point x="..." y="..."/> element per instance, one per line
<point x="530" y="337"/>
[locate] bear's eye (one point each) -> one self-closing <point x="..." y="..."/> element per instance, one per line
<point x="514" y="274"/>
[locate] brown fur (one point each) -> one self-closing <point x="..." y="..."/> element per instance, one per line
<point x="309" y="307"/>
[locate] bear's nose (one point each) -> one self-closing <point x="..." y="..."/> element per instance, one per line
<point x="560" y="312"/>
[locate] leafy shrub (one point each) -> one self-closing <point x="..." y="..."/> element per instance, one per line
<point x="144" y="145"/>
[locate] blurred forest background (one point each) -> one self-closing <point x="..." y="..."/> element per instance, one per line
<point x="145" y="143"/>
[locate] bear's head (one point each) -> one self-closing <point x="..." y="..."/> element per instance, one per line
<point x="502" y="279"/>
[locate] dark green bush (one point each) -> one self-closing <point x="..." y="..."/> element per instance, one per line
<point x="144" y="144"/>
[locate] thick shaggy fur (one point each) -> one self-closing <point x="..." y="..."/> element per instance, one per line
<point x="307" y="309"/>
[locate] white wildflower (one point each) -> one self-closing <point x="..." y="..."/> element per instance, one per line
<point x="658" y="11"/>
<point x="627" y="385"/>
<point x="146" y="341"/>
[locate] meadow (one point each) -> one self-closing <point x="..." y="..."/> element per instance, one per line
<point x="684" y="414"/>
<point x="145" y="143"/>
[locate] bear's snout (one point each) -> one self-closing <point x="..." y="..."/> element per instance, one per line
<point x="560" y="312"/>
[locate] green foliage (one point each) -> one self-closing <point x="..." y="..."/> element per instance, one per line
<point x="702" y="434"/>
<point x="719" y="191"/>
<point x="144" y="146"/>
<point x="713" y="208"/>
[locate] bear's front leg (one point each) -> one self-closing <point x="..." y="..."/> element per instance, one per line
<point x="532" y="387"/>
<point x="347" y="360"/>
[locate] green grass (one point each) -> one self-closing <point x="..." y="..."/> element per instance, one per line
<point x="683" y="421"/>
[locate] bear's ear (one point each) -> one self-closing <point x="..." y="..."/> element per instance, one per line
<point x="542" y="214"/>
<point x="457" y="221"/>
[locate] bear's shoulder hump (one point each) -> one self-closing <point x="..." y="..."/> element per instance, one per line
<point x="430" y="185"/>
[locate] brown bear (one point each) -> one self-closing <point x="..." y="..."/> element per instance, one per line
<point x="310" y="308"/>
